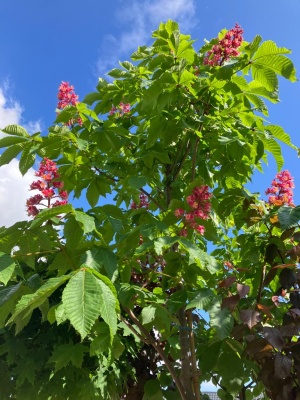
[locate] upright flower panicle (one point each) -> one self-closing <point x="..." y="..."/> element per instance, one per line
<point x="49" y="187"/>
<point x="67" y="97"/>
<point x="199" y="203"/>
<point x="281" y="193"/>
<point x="226" y="48"/>
<point x="123" y="108"/>
<point x="144" y="202"/>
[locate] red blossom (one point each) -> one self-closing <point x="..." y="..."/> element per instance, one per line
<point x="280" y="192"/>
<point x="226" y="48"/>
<point x="199" y="202"/>
<point x="143" y="202"/>
<point x="47" y="186"/>
<point x="121" y="109"/>
<point x="67" y="97"/>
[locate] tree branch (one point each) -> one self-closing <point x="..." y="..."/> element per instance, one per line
<point x="184" y="340"/>
<point x="195" y="372"/>
<point x="160" y="351"/>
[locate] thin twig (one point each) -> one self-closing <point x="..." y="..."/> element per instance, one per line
<point x="152" y="199"/>
<point x="143" y="339"/>
<point x="188" y="146"/>
<point x="194" y="159"/>
<point x="160" y="351"/>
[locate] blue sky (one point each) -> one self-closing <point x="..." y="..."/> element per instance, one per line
<point x="45" y="42"/>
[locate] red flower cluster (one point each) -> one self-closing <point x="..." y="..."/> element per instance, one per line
<point x="46" y="185"/>
<point x="121" y="109"/>
<point x="281" y="189"/>
<point x="67" y="97"/>
<point x="143" y="202"/>
<point x="226" y="48"/>
<point x="199" y="202"/>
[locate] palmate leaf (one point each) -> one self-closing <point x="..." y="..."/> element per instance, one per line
<point x="200" y="257"/>
<point x="68" y="353"/>
<point x="85" y="298"/>
<point x="29" y="302"/>
<point x="288" y="216"/>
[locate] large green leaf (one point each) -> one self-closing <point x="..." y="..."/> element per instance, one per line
<point x="49" y="213"/>
<point x="280" y="134"/>
<point x="66" y="354"/>
<point x="86" y="221"/>
<point x="7" y="267"/>
<point x="288" y="216"/>
<point x="27" y="159"/>
<point x="221" y="320"/>
<point x="85" y="298"/>
<point x="198" y="256"/>
<point x="16" y="130"/>
<point x="10" y="153"/>
<point x="99" y="258"/>
<point x="29" y="302"/>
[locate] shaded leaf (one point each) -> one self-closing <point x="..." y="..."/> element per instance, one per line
<point x="274" y="337"/>
<point x="282" y="366"/>
<point x="250" y="317"/>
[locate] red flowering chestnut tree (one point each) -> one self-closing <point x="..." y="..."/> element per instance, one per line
<point x="172" y="272"/>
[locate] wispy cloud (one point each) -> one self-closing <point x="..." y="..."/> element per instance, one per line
<point x="137" y="19"/>
<point x="13" y="186"/>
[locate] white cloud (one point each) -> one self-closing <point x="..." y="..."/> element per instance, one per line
<point x="13" y="186"/>
<point x="10" y="110"/>
<point x="137" y="19"/>
<point x="14" y="193"/>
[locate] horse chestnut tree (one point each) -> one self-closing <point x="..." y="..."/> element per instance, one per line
<point x="185" y="276"/>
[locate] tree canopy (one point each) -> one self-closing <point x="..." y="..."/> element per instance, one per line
<point x="172" y="273"/>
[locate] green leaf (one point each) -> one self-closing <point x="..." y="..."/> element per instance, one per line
<point x="16" y="130"/>
<point x="231" y="368"/>
<point x="137" y="182"/>
<point x="73" y="232"/>
<point x="221" y="320"/>
<point x="85" y="298"/>
<point x="201" y="299"/>
<point x="7" y="267"/>
<point x="265" y="76"/>
<point x="288" y="216"/>
<point x="274" y="148"/>
<point x="66" y="354"/>
<point x="101" y="257"/>
<point x="29" y="302"/>
<point x="11" y="140"/>
<point x="27" y="159"/>
<point x="102" y="342"/>
<point x="280" y="134"/>
<point x="152" y="390"/>
<point x="8" y="299"/>
<point x="48" y="213"/>
<point x="86" y="221"/>
<point x="198" y="256"/>
<point x="10" y="153"/>
<point x="92" y="97"/>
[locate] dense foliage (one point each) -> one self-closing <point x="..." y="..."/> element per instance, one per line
<point x="172" y="273"/>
